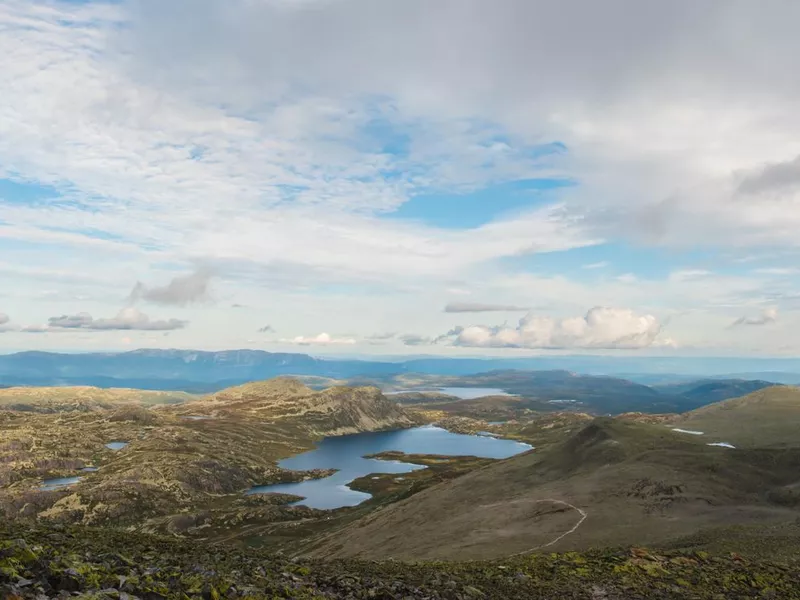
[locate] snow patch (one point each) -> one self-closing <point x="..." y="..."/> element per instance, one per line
<point x="690" y="432"/>
<point x="722" y="445"/>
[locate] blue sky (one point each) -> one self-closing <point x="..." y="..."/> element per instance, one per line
<point x="381" y="178"/>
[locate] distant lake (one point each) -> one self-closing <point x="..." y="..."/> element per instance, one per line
<point x="116" y="445"/>
<point x="346" y="454"/>
<point x="465" y="393"/>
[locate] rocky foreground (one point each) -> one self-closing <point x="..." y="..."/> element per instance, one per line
<point x="62" y="562"/>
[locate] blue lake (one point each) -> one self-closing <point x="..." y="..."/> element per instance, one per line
<point x="346" y="453"/>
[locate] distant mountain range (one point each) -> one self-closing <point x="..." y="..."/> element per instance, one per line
<point x="535" y="379"/>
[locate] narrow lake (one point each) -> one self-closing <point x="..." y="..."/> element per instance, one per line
<point x="465" y="393"/>
<point x="346" y="453"/>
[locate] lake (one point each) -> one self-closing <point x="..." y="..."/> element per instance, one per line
<point x="346" y="453"/>
<point x="465" y="393"/>
<point x="116" y="445"/>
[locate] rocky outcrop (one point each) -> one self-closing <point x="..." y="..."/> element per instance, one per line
<point x="334" y="411"/>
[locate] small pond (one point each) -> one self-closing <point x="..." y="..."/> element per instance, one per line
<point x="55" y="484"/>
<point x="116" y="445"/>
<point x="346" y="453"/>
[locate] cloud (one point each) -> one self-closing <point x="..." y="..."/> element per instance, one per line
<point x="412" y="339"/>
<point x="772" y="177"/>
<point x="323" y="339"/>
<point x="126" y="319"/>
<point x="266" y="329"/>
<point x="597" y="265"/>
<point x="180" y="291"/>
<point x="476" y="307"/>
<point x="600" y="328"/>
<point x="4" y="318"/>
<point x="382" y="336"/>
<point x="767" y="316"/>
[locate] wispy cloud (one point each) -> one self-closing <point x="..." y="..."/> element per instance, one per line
<point x="596" y="265"/>
<point x="413" y="339"/>
<point x="180" y="291"/>
<point x="478" y="307"/>
<point x="767" y="316"/>
<point x="126" y="319"/>
<point x="382" y="336"/>
<point x="266" y="329"/>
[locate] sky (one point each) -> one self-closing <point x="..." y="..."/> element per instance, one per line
<point x="376" y="177"/>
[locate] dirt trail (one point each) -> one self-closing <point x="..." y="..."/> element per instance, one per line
<point x="580" y="511"/>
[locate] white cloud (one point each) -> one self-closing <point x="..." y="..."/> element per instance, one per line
<point x="600" y="328"/>
<point x="596" y="265"/>
<point x="323" y="339"/>
<point x="4" y="318"/>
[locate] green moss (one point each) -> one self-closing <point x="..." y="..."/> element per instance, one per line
<point x="88" y="561"/>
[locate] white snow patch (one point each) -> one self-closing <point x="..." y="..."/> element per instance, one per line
<point x="687" y="431"/>
<point x="722" y="445"/>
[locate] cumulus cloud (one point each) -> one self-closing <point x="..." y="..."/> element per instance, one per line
<point x="477" y="307"/>
<point x="266" y="329"/>
<point x="600" y="328"/>
<point x="767" y="316"/>
<point x="323" y="339"/>
<point x="126" y="319"/>
<point x="180" y="291"/>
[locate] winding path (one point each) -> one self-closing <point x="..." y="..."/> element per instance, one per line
<point x="580" y="511"/>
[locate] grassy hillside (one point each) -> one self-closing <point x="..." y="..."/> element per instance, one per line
<point x="571" y="496"/>
<point x="768" y="418"/>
